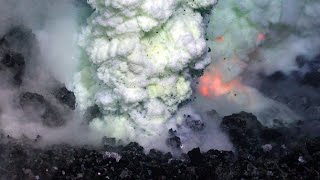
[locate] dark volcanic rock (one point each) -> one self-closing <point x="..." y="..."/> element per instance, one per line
<point x="301" y="60"/>
<point x="109" y="141"/>
<point x="313" y="145"/>
<point x="297" y="89"/>
<point x="20" y="160"/>
<point x="312" y="79"/>
<point x="195" y="156"/>
<point x="15" y="63"/>
<point x="36" y="105"/>
<point x="91" y="113"/>
<point x="18" y="39"/>
<point x="291" y="157"/>
<point x="66" y="97"/>
<point x="277" y="76"/>
<point x="173" y="140"/>
<point x="194" y="123"/>
<point x="244" y="130"/>
<point x="271" y="135"/>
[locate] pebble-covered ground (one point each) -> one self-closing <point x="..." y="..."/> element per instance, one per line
<point x="261" y="153"/>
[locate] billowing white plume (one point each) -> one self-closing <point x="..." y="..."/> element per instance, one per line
<point x="136" y="53"/>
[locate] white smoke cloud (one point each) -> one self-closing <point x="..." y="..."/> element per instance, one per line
<point x="138" y="52"/>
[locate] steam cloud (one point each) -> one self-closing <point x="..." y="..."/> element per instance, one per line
<point x="138" y="53"/>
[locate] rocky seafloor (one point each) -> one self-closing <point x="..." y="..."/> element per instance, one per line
<point x="282" y="152"/>
<point x="261" y="153"/>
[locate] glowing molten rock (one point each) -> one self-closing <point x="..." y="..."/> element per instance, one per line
<point x="212" y="84"/>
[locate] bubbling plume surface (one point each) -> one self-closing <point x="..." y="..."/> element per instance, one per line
<point x="137" y="56"/>
<point x="137" y="52"/>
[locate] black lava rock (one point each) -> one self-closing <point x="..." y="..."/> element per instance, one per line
<point x="312" y="79"/>
<point x="91" y="113"/>
<point x="15" y="63"/>
<point x="109" y="141"/>
<point x="66" y="97"/>
<point x="244" y="130"/>
<point x="21" y="160"/>
<point x="313" y="145"/>
<point x="277" y="76"/>
<point x="301" y="60"/>
<point x="195" y="156"/>
<point x="193" y="123"/>
<point x="173" y="140"/>
<point x="291" y="157"/>
<point x="35" y="104"/>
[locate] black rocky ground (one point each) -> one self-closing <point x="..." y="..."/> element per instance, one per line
<point x="261" y="153"/>
<point x="298" y="89"/>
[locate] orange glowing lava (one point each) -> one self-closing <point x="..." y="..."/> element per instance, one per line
<point x="261" y="37"/>
<point x="219" y="39"/>
<point x="212" y="84"/>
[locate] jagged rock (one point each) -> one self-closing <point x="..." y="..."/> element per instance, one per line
<point x="314" y="64"/>
<point x="37" y="106"/>
<point x="133" y="147"/>
<point x="108" y="141"/>
<point x="15" y="63"/>
<point x="313" y="145"/>
<point x="244" y="130"/>
<point x="173" y="140"/>
<point x="91" y="113"/>
<point x="277" y="76"/>
<point x="195" y="156"/>
<point x="312" y="79"/>
<point x="270" y="135"/>
<point x="297" y="158"/>
<point x="301" y="60"/>
<point x="18" y="39"/>
<point x="194" y="123"/>
<point x="66" y="97"/>
<point x="69" y="162"/>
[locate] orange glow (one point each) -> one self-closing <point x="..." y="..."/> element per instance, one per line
<point x="261" y="37"/>
<point x="211" y="84"/>
<point x="204" y="91"/>
<point x="219" y="39"/>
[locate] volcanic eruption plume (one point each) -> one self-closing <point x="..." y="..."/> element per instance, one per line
<point x="162" y="73"/>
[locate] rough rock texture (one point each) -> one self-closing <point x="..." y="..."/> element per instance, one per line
<point x="173" y="141"/>
<point x="66" y="97"/>
<point x="244" y="129"/>
<point x="283" y="155"/>
<point x="14" y="63"/>
<point x="38" y="105"/>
